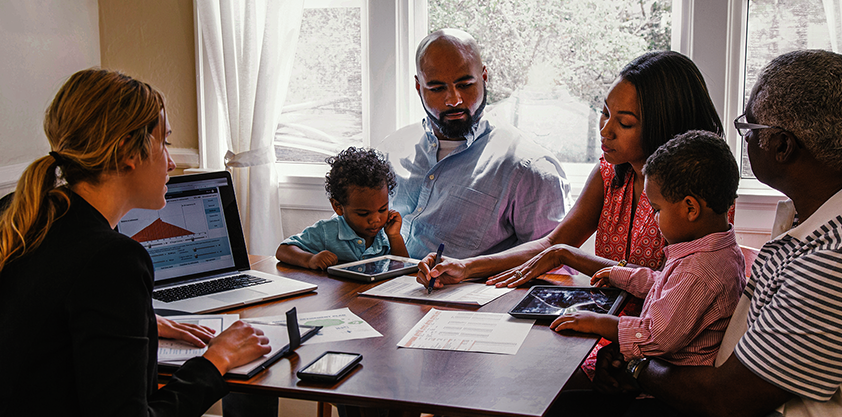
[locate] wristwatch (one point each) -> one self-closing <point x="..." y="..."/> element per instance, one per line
<point x="634" y="366"/>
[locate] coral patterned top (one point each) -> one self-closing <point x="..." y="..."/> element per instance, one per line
<point x="612" y="233"/>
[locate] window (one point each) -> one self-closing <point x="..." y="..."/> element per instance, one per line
<point x="775" y="27"/>
<point x="531" y="83"/>
<point x="323" y="110"/>
<point x="550" y="63"/>
<point x="714" y="33"/>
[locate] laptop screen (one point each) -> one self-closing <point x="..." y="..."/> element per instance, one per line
<point x="190" y="236"/>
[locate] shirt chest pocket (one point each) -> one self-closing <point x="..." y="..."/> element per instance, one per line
<point x="464" y="217"/>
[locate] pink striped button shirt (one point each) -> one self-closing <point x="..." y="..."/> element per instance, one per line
<point x="687" y="305"/>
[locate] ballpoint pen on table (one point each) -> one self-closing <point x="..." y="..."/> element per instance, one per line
<point x="435" y="262"/>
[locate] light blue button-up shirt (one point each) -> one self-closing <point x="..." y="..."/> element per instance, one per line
<point x="496" y="191"/>
<point x="334" y="234"/>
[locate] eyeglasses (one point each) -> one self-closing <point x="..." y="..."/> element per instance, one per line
<point x="743" y="126"/>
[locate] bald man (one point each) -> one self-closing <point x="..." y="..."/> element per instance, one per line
<point x="476" y="186"/>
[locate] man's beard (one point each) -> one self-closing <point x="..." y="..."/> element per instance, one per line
<point x="457" y="129"/>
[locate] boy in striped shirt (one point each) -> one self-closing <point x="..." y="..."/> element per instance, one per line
<point x="691" y="182"/>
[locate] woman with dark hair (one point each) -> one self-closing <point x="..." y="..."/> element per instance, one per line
<point x="656" y="97"/>
<point x="76" y="317"/>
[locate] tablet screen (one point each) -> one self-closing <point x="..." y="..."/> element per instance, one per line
<point x="378" y="267"/>
<point x="553" y="300"/>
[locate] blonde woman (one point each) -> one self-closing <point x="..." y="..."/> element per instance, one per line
<point x="76" y="318"/>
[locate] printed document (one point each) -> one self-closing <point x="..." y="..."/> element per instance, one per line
<point x="468" y="331"/>
<point x="174" y="350"/>
<point x="405" y="287"/>
<point x="339" y="324"/>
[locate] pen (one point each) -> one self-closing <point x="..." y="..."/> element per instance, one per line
<point x="435" y="262"/>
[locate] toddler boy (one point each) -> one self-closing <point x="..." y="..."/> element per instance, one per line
<point x="359" y="184"/>
<point x="691" y="182"/>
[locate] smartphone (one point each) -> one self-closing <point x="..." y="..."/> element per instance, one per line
<point x="330" y="367"/>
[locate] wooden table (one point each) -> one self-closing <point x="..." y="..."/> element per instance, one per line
<point x="431" y="381"/>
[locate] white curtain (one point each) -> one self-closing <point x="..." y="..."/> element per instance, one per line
<point x="833" y="13"/>
<point x="248" y="48"/>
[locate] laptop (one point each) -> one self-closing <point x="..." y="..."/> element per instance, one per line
<point x="198" y="249"/>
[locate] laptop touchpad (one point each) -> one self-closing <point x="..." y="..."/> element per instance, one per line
<point x="242" y="294"/>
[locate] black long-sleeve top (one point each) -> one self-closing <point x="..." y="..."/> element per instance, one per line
<point x="78" y="334"/>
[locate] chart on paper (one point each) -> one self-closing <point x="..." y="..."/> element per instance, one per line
<point x="468" y="331"/>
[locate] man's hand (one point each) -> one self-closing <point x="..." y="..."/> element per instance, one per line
<point x="548" y="259"/>
<point x="322" y="260"/>
<point x="194" y="334"/>
<point x="611" y="376"/>
<point x="393" y="224"/>
<point x="448" y="271"/>
<point x="600" y="278"/>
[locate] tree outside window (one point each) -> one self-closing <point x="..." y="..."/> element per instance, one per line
<point x="775" y="27"/>
<point x="550" y="63"/>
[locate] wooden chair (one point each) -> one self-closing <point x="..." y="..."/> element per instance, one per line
<point x="750" y="254"/>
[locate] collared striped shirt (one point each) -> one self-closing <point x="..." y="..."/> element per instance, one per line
<point x="794" y="336"/>
<point x="688" y="304"/>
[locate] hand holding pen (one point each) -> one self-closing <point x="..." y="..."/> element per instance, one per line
<point x="436" y="262"/>
<point x="446" y="271"/>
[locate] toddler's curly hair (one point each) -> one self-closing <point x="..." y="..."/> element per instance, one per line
<point x="359" y="167"/>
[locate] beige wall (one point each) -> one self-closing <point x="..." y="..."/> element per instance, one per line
<point x="43" y="43"/>
<point x="152" y="40"/>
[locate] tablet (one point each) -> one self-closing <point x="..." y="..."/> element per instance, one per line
<point x="550" y="301"/>
<point x="376" y="269"/>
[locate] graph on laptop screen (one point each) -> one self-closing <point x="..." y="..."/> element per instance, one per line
<point x="187" y="236"/>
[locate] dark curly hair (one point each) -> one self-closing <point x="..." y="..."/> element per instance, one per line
<point x="358" y="167"/>
<point x="697" y="163"/>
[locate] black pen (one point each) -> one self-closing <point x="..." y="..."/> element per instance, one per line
<point x="435" y="262"/>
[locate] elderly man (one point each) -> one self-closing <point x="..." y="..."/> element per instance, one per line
<point x="476" y="187"/>
<point x="783" y="348"/>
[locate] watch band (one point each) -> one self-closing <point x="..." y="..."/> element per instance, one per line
<point x="635" y="366"/>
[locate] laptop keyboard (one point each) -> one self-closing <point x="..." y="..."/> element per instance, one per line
<point x="199" y="289"/>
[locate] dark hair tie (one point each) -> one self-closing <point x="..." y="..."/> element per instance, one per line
<point x="60" y="160"/>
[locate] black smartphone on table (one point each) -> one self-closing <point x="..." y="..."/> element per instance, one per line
<point x="330" y="367"/>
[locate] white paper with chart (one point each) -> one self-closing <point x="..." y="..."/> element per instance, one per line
<point x="339" y="324"/>
<point x="468" y="331"/>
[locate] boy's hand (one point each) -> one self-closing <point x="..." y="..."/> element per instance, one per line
<point x="393" y="223"/>
<point x="322" y="260"/>
<point x="600" y="278"/>
<point x="604" y="325"/>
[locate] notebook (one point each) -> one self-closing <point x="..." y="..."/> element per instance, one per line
<point x="197" y="247"/>
<point x="283" y="339"/>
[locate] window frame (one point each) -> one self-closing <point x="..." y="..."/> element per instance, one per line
<point x="717" y="48"/>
